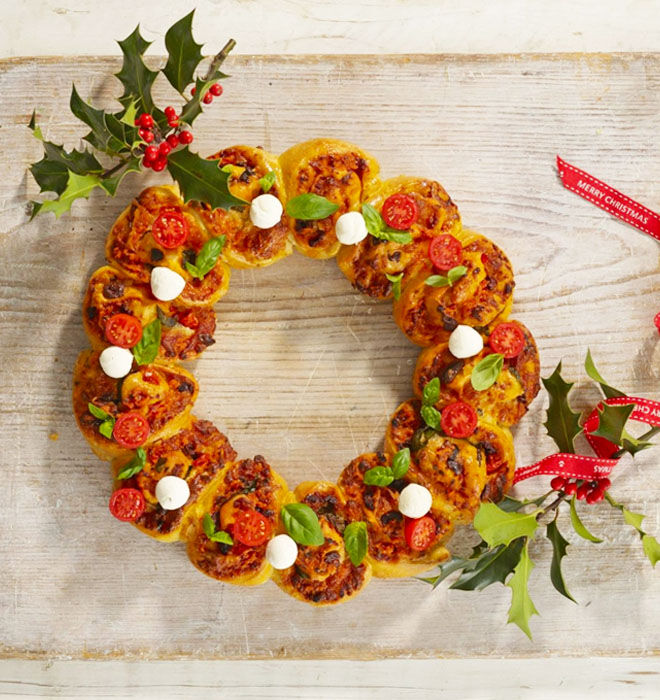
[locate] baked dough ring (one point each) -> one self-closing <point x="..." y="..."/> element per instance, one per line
<point x="336" y="170"/>
<point x="496" y="443"/>
<point x="366" y="263"/>
<point x="247" y="245"/>
<point x="324" y="575"/>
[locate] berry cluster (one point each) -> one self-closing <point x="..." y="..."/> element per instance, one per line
<point x="590" y="491"/>
<point x="155" y="154"/>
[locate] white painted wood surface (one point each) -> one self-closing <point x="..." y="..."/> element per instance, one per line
<point x="306" y="371"/>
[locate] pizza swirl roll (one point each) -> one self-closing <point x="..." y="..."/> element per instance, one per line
<point x="332" y="169"/>
<point x="496" y="443"/>
<point x="247" y="245"/>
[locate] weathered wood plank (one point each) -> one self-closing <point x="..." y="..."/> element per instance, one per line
<point x="306" y="371"/>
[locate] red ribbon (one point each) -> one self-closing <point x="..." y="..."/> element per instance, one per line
<point x="609" y="199"/>
<point x="656" y="320"/>
<point x="592" y="468"/>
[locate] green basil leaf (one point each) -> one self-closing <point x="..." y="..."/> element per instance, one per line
<point x="431" y="417"/>
<point x="107" y="427"/>
<point x="222" y="537"/>
<point x="302" y="524"/>
<point x="146" y="349"/>
<point x="97" y="412"/>
<point x="431" y="392"/>
<point x="401" y="463"/>
<point x="207" y="257"/>
<point x="267" y="181"/>
<point x="394" y="235"/>
<point x="437" y="281"/>
<point x="310" y="207"/>
<point x="396" y="285"/>
<point x="497" y="526"/>
<point x="486" y="372"/>
<point x="135" y="466"/>
<point x="456" y="273"/>
<point x="420" y="438"/>
<point x="579" y="527"/>
<point x="356" y="541"/>
<point x="378" y="476"/>
<point x="208" y="525"/>
<point x="372" y="219"/>
<point x="194" y="271"/>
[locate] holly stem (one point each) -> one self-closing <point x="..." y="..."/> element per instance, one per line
<point x="114" y="169"/>
<point x="552" y="506"/>
<point x="219" y="58"/>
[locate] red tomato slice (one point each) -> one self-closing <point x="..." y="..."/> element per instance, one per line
<point x="419" y="532"/>
<point x="170" y="229"/>
<point x="458" y="420"/>
<point x="131" y="430"/>
<point x="445" y="252"/>
<point x="400" y="211"/>
<point x="123" y="330"/>
<point x="127" y="504"/>
<point x="507" y="339"/>
<point x="251" y="528"/>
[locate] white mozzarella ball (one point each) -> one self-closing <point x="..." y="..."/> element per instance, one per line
<point x="415" y="501"/>
<point x="172" y="492"/>
<point x="116" y="362"/>
<point x="166" y="284"/>
<point x="351" y="228"/>
<point x="464" y="341"/>
<point x="281" y="552"/>
<point x="265" y="211"/>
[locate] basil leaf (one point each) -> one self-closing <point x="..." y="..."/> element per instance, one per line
<point x="208" y="525"/>
<point x="135" y="466"/>
<point x="437" y="281"/>
<point x="97" y="412"/>
<point x="372" y="219"/>
<point x="267" y="181"/>
<point x="486" y="372"/>
<point x="107" y="427"/>
<point x="456" y="273"/>
<point x="302" y="524"/>
<point x="378" y="476"/>
<point x="207" y="257"/>
<point x="310" y="207"/>
<point x="393" y="235"/>
<point x="356" y="541"/>
<point x="146" y="350"/>
<point x="222" y="537"/>
<point x="431" y="392"/>
<point x="401" y="463"/>
<point x="396" y="285"/>
<point x="431" y="417"/>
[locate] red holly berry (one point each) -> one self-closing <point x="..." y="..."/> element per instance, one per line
<point x="185" y="137"/>
<point x="146" y="120"/>
<point x="583" y="490"/>
<point x="595" y="496"/>
<point x="193" y="90"/>
<point x="164" y="149"/>
<point x="173" y="140"/>
<point x="170" y="112"/>
<point x="208" y="98"/>
<point x="558" y="483"/>
<point x="570" y="488"/>
<point x="159" y="164"/>
<point x="146" y="135"/>
<point x="604" y="484"/>
<point x="151" y="152"/>
<point x="216" y="89"/>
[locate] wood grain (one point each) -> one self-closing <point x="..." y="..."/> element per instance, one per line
<point x="306" y="371"/>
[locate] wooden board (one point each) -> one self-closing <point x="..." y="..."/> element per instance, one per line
<point x="306" y="371"/>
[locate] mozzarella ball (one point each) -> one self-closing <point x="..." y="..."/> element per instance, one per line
<point x="116" y="362"/>
<point x="281" y="552"/>
<point x="172" y="492"/>
<point x="415" y="501"/>
<point x="265" y="211"/>
<point x="166" y="284"/>
<point x="351" y="228"/>
<point x="464" y="341"/>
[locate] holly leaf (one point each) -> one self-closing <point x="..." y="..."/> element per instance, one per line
<point x="78" y="186"/>
<point x="184" y="54"/>
<point x="522" y="607"/>
<point x="129" y="114"/>
<point x="649" y="543"/>
<point x="110" y="184"/>
<point x="134" y="75"/>
<point x="612" y="421"/>
<point x="651" y="549"/>
<point x="509" y="504"/>
<point x="32" y="124"/>
<point x="590" y="367"/>
<point x="497" y="526"/>
<point x="559" y="545"/>
<point x="445" y="569"/>
<point x="579" y="527"/>
<point x="100" y="136"/>
<point x="201" y="179"/>
<point x="490" y="567"/>
<point x="562" y="422"/>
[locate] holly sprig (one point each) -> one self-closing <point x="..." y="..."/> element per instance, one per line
<point x="508" y="528"/>
<point x="140" y="135"/>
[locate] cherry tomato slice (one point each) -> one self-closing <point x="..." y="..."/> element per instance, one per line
<point x="131" y="430"/>
<point x="445" y="252"/>
<point x="170" y="229"/>
<point x="127" y="504"/>
<point x="419" y="532"/>
<point x="123" y="330"/>
<point x="400" y="211"/>
<point x="251" y="528"/>
<point x="458" y="420"/>
<point x="507" y="339"/>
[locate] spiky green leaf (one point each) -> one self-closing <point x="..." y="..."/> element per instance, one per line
<point x="497" y="526"/>
<point x="522" y="607"/>
<point x="559" y="545"/>
<point x="184" y="54"/>
<point x="562" y="422"/>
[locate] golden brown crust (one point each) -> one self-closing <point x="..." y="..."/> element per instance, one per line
<point x="247" y="245"/>
<point x="366" y="263"/>
<point x="132" y="247"/>
<point x="427" y="315"/>
<point x="505" y="402"/>
<point x="244" y="485"/>
<point x="496" y="443"/>
<point x="324" y="575"/>
<point x="338" y="171"/>
<point x="185" y="332"/>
